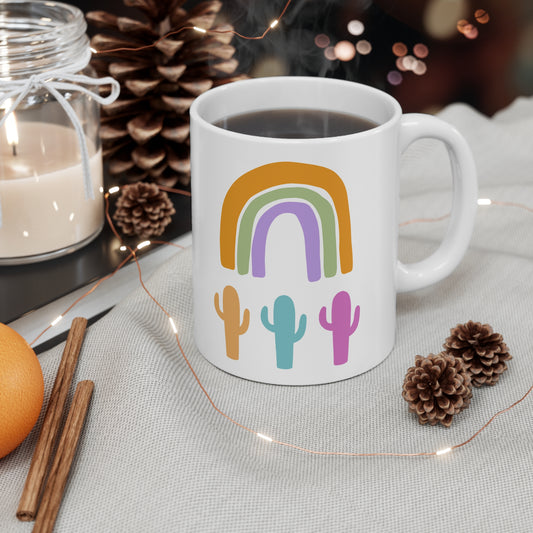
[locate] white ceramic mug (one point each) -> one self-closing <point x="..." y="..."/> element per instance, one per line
<point x="295" y="268"/>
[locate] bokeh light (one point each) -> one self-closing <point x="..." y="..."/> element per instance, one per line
<point x="329" y="52"/>
<point x="471" y="32"/>
<point x="394" y="77"/>
<point x="409" y="62"/>
<point x="322" y="40"/>
<point x="344" y="50"/>
<point x="356" y="27"/>
<point x="420" y="50"/>
<point x="420" y="68"/>
<point x="482" y="16"/>
<point x="400" y="65"/>
<point x="363" y="47"/>
<point x="462" y="24"/>
<point x="399" y="49"/>
<point x="440" y="17"/>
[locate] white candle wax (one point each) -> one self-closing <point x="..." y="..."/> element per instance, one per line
<point x="44" y="208"/>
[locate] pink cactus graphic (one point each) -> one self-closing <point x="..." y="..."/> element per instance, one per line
<point x="340" y="326"/>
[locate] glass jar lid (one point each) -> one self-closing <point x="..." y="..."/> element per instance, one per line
<point x="37" y="36"/>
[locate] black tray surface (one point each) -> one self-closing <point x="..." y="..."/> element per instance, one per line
<point x="24" y="288"/>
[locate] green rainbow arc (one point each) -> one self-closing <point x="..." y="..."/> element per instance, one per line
<point x="323" y="208"/>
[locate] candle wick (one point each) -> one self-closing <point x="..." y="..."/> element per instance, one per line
<point x="14" y="148"/>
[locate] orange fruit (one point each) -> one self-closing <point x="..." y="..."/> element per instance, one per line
<point x="21" y="389"/>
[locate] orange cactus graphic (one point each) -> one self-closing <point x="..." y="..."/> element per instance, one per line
<point x="231" y="315"/>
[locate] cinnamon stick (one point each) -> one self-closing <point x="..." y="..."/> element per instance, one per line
<point x="31" y="493"/>
<point x="57" y="480"/>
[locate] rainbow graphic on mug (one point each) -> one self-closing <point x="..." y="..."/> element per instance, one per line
<point x="258" y="197"/>
<point x="317" y="197"/>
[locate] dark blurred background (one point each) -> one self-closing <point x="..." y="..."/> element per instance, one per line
<point x="427" y="53"/>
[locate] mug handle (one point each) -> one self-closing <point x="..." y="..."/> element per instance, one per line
<point x="443" y="261"/>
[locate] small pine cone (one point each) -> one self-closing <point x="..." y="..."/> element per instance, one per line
<point x="483" y="351"/>
<point x="144" y="210"/>
<point x="437" y="388"/>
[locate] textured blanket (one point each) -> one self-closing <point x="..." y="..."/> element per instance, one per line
<point x="155" y="456"/>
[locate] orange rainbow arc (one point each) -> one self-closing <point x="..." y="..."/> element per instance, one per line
<point x="278" y="174"/>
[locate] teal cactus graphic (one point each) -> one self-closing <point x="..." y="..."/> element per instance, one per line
<point x="340" y="326"/>
<point x="283" y="324"/>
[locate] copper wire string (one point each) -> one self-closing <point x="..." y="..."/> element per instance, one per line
<point x="150" y="295"/>
<point x="120" y="265"/>
<point x="133" y="255"/>
<point x="489" y="202"/>
<point x="202" y="30"/>
<point x="493" y="417"/>
<point x="84" y="295"/>
<point x="511" y="204"/>
<point x="175" y="191"/>
<point x="419" y="220"/>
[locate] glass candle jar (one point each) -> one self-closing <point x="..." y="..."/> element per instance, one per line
<point x="51" y="186"/>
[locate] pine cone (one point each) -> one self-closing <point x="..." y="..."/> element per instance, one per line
<point x="145" y="133"/>
<point x="143" y="210"/>
<point x="483" y="351"/>
<point x="437" y="388"/>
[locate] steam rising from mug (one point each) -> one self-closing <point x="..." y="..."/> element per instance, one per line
<point x="291" y="50"/>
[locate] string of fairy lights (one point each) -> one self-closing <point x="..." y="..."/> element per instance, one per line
<point x="400" y="52"/>
<point x="132" y="255"/>
<point x="406" y="59"/>
<point x="198" y="29"/>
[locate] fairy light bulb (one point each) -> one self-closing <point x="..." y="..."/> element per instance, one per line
<point x="143" y="244"/>
<point x="56" y="320"/>
<point x="264" y="437"/>
<point x="173" y="324"/>
<point x="444" y="451"/>
<point x="114" y="189"/>
<point x="201" y="30"/>
<point x="274" y="23"/>
<point x="484" y="201"/>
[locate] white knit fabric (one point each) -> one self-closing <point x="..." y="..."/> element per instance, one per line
<point x="155" y="456"/>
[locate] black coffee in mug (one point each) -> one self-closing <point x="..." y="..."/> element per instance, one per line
<point x="295" y="123"/>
